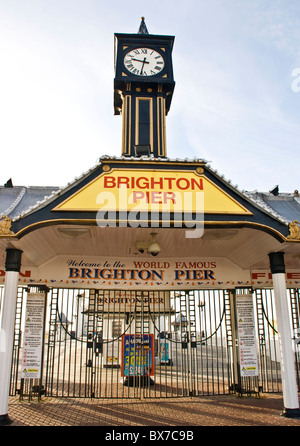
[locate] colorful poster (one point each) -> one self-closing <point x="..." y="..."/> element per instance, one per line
<point x="164" y="351"/>
<point x="137" y="355"/>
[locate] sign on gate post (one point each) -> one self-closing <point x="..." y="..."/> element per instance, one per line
<point x="33" y="336"/>
<point x="246" y="335"/>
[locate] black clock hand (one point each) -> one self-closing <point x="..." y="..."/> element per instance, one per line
<point x="144" y="61"/>
<point x="138" y="60"/>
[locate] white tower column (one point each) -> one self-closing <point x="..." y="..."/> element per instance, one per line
<point x="7" y="318"/>
<point x="287" y="357"/>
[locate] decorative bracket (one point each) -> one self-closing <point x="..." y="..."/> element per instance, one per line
<point x="5" y="225"/>
<point x="294" y="231"/>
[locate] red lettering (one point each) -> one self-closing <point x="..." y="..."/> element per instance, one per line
<point x="137" y="196"/>
<point x="123" y="180"/>
<point x="255" y="276"/>
<point x="159" y="182"/>
<point x="179" y="183"/>
<point x="198" y="183"/>
<point x="293" y="275"/>
<point x="156" y="197"/>
<point x="142" y="183"/>
<point x="170" y="182"/>
<point x="26" y="274"/>
<point x="109" y="181"/>
<point x="169" y="196"/>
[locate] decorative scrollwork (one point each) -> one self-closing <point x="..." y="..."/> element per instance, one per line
<point x="5" y="225"/>
<point x="294" y="230"/>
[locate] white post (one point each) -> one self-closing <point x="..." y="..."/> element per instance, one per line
<point x="12" y="266"/>
<point x="289" y="383"/>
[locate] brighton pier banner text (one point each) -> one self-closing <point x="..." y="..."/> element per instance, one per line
<point x="138" y="274"/>
<point x="161" y="183"/>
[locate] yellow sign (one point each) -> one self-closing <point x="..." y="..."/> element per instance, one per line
<point x="152" y="190"/>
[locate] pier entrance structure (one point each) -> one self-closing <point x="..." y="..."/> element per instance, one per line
<point x="148" y="275"/>
<point x="118" y="321"/>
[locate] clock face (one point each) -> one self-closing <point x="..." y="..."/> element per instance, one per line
<point x="144" y="62"/>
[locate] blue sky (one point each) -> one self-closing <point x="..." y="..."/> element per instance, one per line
<point x="236" y="102"/>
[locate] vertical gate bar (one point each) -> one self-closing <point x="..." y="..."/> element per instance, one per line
<point x="234" y="359"/>
<point x="57" y="356"/>
<point x="100" y="306"/>
<point x="215" y="358"/>
<point x="61" y="357"/>
<point x="51" y="344"/>
<point x="229" y="339"/>
<point x="221" y="375"/>
<point x="68" y="355"/>
<point x="162" y="327"/>
<point x="78" y="299"/>
<point x="177" y="341"/>
<point x="208" y="342"/>
<point x="269" y="344"/>
<point x="202" y="336"/>
<point x="106" y="337"/>
<point x="171" y="340"/>
<point x="294" y="305"/>
<point x="46" y="291"/>
<point x="72" y="345"/>
<point x="274" y="368"/>
<point x="64" y="298"/>
<point x="166" y="326"/>
<point x="81" y="305"/>
<point x="198" y="343"/>
<point x="188" y="296"/>
<point x="89" y="350"/>
<point x="215" y="337"/>
<point x="223" y="348"/>
<point x="219" y="354"/>
<point x="75" y="341"/>
<point x="261" y="337"/>
<point x="182" y="334"/>
<point x="17" y="342"/>
<point x="113" y="325"/>
<point x="56" y="364"/>
<point x="210" y="370"/>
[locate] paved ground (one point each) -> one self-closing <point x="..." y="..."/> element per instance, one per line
<point x="229" y="410"/>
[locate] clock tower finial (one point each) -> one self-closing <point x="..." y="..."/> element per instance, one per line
<point x="143" y="28"/>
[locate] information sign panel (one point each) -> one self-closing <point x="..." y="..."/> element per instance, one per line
<point x="33" y="336"/>
<point x="246" y="335"/>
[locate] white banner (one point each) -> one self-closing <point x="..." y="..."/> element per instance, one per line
<point x="33" y="336"/>
<point x="137" y="273"/>
<point x="146" y="273"/>
<point x="246" y="335"/>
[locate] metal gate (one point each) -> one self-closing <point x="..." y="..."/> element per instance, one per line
<point x="123" y="344"/>
<point x="132" y="344"/>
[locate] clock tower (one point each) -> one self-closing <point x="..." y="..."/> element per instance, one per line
<point x="143" y="89"/>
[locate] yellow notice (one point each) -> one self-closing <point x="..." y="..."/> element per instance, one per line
<point x="153" y="190"/>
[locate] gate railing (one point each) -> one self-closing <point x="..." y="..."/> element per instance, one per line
<point x="193" y="342"/>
